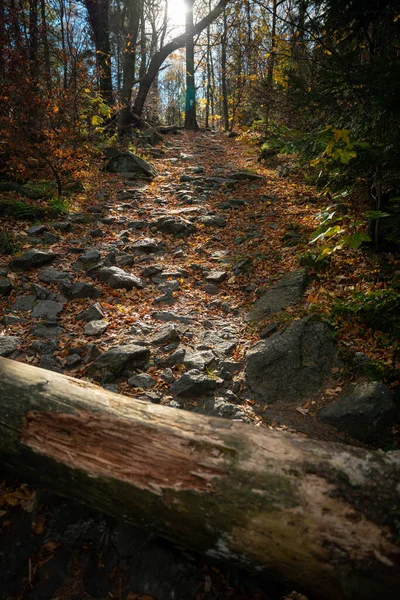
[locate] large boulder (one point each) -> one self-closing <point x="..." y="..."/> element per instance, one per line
<point x="117" y="360"/>
<point x="127" y="162"/>
<point x="289" y="290"/>
<point x="32" y="259"/>
<point x="365" y="414"/>
<point x="292" y="364"/>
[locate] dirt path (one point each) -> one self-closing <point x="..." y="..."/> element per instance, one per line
<point x="198" y="276"/>
<point x="199" y="242"/>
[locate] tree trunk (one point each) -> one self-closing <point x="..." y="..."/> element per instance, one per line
<point x="190" y="108"/>
<point x="125" y="120"/>
<point x="33" y="39"/>
<point x="99" y="22"/>
<point x="225" y="108"/>
<point x="46" y="47"/>
<point x="271" y="67"/>
<point x="323" y="517"/>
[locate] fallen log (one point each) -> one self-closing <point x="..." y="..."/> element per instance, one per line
<point x="323" y="517"/>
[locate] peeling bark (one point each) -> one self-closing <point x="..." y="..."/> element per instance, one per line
<point x="323" y="517"/>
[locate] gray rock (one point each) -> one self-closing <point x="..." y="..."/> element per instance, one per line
<point x="49" y="331"/>
<point x="8" y="344"/>
<point x="167" y="375"/>
<point x="142" y="380"/>
<point x="127" y="162"/>
<point x="96" y="233"/>
<point x="166" y="333"/>
<point x="96" y="327"/>
<point x="175" y="404"/>
<point x="117" y="360"/>
<point x="46" y="309"/>
<point x="138" y="224"/>
<point x="47" y="347"/>
<point x="88" y="259"/>
<point x="5" y="286"/>
<point x="40" y="292"/>
<point x="118" y="278"/>
<point x="213" y="221"/>
<point x="289" y="290"/>
<point x="292" y="364"/>
<point x="93" y="313"/>
<point x="80" y="289"/>
<point x="169" y="286"/>
<point x="366" y="414"/>
<point x="167" y="298"/>
<point x="37" y="230"/>
<point x="173" y="359"/>
<point x="73" y="360"/>
<point x="211" y="289"/>
<point x="49" y="362"/>
<point x="51" y="275"/>
<point x="231" y="204"/>
<point x="174" y="226"/>
<point x="64" y="226"/>
<point x="50" y="238"/>
<point x="245" y="175"/>
<point x="111" y="387"/>
<point x="151" y="270"/>
<point x="126" y="261"/>
<point x="167" y="316"/>
<point x="146" y="246"/>
<point x="230" y="366"/>
<point x="32" y="259"/>
<point x="10" y="320"/>
<point x="92" y="353"/>
<point x="216" y="276"/>
<point x="220" y="407"/>
<point x="198" y="360"/>
<point x="221" y="346"/>
<point x="241" y="266"/>
<point x="193" y="383"/>
<point x="23" y="303"/>
<point x="267" y="331"/>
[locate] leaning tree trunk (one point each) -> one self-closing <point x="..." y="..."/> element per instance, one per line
<point x="157" y="60"/>
<point x="323" y="517"/>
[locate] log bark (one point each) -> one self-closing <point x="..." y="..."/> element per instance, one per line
<point x="323" y="517"/>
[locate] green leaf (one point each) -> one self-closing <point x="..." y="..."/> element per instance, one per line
<point x="355" y="240"/>
<point x="330" y="232"/>
<point x="376" y="214"/>
<point x="326" y="251"/>
<point x="104" y="110"/>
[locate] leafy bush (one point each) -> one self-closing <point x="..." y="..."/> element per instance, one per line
<point x="378" y="309"/>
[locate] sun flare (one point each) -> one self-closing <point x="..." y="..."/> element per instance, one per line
<point x="176" y="12"/>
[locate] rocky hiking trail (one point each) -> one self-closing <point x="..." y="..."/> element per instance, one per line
<point x="183" y="290"/>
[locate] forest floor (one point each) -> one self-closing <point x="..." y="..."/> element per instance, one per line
<point x="262" y="229"/>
